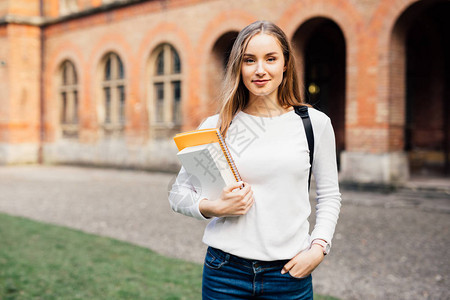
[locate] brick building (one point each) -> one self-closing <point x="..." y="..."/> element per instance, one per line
<point x="105" y="82"/>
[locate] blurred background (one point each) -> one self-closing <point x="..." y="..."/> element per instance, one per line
<point x="108" y="83"/>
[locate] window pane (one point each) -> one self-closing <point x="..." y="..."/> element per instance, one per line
<point x="107" y="105"/>
<point x="121" y="72"/>
<point x="64" y="108"/>
<point x="176" y="114"/>
<point x="160" y="63"/>
<point x="159" y="88"/>
<point x="69" y="75"/>
<point x="176" y="85"/>
<point x="75" y="79"/>
<point x="176" y="64"/>
<point x="159" y="95"/>
<point x="108" y="68"/>
<point x="64" y="73"/>
<point x="121" y="104"/>
<point x="75" y="111"/>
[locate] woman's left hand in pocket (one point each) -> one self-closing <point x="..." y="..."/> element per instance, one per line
<point x="305" y="262"/>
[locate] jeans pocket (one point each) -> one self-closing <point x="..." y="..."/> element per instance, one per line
<point x="298" y="278"/>
<point x="214" y="261"/>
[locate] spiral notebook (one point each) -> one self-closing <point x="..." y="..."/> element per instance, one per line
<point x="205" y="156"/>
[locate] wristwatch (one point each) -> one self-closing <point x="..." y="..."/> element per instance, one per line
<point x="326" y="246"/>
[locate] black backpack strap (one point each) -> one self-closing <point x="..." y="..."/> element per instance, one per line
<point x="302" y="111"/>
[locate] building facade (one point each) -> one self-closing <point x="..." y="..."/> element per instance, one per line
<point x="110" y="82"/>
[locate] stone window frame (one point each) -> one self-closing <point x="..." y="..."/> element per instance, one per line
<point x="113" y="94"/>
<point x="68" y="94"/>
<point x="165" y="91"/>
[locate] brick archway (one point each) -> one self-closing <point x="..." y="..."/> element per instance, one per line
<point x="295" y="22"/>
<point x="348" y="19"/>
<point x="321" y="53"/>
<point x="419" y="73"/>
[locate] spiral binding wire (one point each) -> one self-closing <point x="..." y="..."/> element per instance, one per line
<point x="228" y="156"/>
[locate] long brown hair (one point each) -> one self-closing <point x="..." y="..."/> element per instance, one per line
<point x="235" y="95"/>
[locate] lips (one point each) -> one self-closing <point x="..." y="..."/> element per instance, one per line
<point x="260" y="82"/>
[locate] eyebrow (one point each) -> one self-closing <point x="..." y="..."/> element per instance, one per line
<point x="268" y="54"/>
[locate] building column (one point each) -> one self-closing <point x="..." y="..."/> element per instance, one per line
<point x="374" y="151"/>
<point x="20" y="74"/>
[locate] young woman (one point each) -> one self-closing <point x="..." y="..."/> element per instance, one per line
<point x="258" y="236"/>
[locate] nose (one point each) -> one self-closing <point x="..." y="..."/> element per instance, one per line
<point x="260" y="69"/>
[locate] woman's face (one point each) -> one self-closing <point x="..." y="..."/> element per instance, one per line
<point x="263" y="66"/>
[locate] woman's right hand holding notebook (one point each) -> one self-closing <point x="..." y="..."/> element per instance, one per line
<point x="234" y="201"/>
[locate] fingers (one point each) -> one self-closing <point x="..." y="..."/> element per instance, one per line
<point x="302" y="264"/>
<point x="244" y="191"/>
<point x="237" y="202"/>
<point x="287" y="267"/>
<point x="243" y="203"/>
<point x="233" y="186"/>
<point x="247" y="203"/>
<point x="235" y="189"/>
<point x="245" y="196"/>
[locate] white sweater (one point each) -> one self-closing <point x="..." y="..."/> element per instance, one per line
<point x="271" y="154"/>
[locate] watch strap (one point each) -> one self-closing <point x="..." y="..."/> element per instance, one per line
<point x="325" y="245"/>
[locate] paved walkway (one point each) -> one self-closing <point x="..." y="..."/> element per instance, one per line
<point x="385" y="246"/>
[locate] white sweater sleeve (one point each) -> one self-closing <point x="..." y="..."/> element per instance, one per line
<point x="327" y="187"/>
<point x="183" y="197"/>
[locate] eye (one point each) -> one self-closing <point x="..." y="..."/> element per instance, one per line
<point x="272" y="59"/>
<point x="249" y="60"/>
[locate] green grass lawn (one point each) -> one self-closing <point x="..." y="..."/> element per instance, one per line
<point x="42" y="261"/>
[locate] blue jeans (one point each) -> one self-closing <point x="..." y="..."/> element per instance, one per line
<point x="226" y="276"/>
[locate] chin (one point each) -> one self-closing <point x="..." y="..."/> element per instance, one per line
<point x="260" y="92"/>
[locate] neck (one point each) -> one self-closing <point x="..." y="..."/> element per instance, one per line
<point x="264" y="106"/>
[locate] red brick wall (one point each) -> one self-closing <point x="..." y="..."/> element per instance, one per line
<point x="374" y="95"/>
<point x="23" y="67"/>
<point x="51" y="8"/>
<point x="4" y="83"/>
<point x="368" y="122"/>
<point x="27" y="8"/>
<point x="3" y="7"/>
<point x="116" y="31"/>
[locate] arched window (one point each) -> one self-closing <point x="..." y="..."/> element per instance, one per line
<point x="166" y="83"/>
<point x="68" y="94"/>
<point x="113" y="90"/>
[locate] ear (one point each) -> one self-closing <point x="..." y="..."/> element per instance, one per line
<point x="285" y="68"/>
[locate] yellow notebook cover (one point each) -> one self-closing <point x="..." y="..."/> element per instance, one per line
<point x="196" y="137"/>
